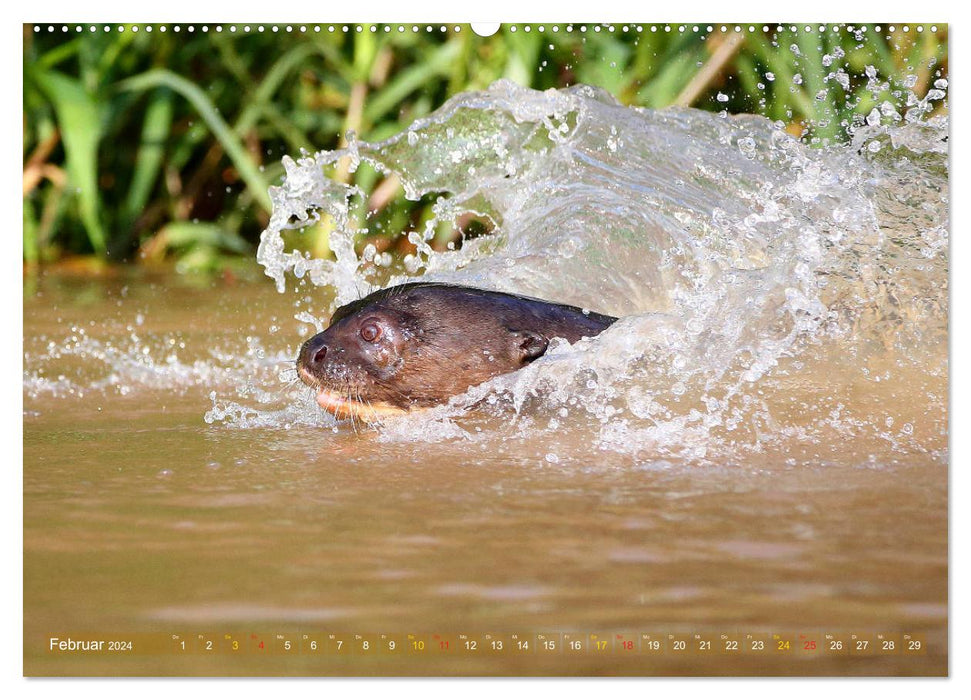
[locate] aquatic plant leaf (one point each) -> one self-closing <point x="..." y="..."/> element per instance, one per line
<point x="438" y="63"/>
<point x="260" y="100"/>
<point x="79" y="119"/>
<point x="30" y="236"/>
<point x="148" y="162"/>
<point x="824" y="109"/>
<point x="523" y="57"/>
<point x="662" y="90"/>
<point x="230" y="142"/>
<point x="184" y="234"/>
<point x="604" y="66"/>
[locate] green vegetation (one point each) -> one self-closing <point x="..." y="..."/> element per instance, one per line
<point x="159" y="145"/>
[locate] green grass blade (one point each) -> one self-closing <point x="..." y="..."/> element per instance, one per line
<point x="160" y="77"/>
<point x="667" y="84"/>
<point x="274" y="77"/>
<point x="31" y="248"/>
<point x="58" y="54"/>
<point x="606" y="57"/>
<point x="522" y="59"/>
<point x="822" y="94"/>
<point x="187" y="234"/>
<point x="79" y="120"/>
<point x="786" y="93"/>
<point x="410" y="79"/>
<point x="148" y="162"/>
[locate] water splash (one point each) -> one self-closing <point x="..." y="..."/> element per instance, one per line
<point x="771" y="292"/>
<point x="122" y="365"/>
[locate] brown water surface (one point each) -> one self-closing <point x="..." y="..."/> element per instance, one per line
<point x="142" y="519"/>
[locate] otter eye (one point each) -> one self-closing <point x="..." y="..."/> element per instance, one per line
<point x="370" y="332"/>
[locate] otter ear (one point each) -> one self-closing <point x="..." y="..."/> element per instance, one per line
<point x="529" y="345"/>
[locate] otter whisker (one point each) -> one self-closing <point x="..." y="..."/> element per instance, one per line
<point x="355" y="416"/>
<point x="376" y="419"/>
<point x="359" y="400"/>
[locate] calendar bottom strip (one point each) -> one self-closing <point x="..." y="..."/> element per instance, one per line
<point x="646" y="644"/>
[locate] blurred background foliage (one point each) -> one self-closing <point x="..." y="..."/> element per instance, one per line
<point x="156" y="145"/>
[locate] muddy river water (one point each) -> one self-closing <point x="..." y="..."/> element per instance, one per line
<point x="140" y="518"/>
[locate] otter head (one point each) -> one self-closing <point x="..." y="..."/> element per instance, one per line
<point x="411" y="346"/>
<point x="354" y="363"/>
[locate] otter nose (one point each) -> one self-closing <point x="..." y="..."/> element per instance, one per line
<point x="314" y="352"/>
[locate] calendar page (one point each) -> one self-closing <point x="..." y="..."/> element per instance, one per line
<point x="485" y="350"/>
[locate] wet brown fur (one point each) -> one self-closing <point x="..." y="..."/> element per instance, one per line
<point x="436" y="341"/>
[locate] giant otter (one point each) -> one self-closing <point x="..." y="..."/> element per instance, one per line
<point x="417" y="344"/>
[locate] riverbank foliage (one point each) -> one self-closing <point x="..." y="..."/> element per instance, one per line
<point x="157" y="144"/>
